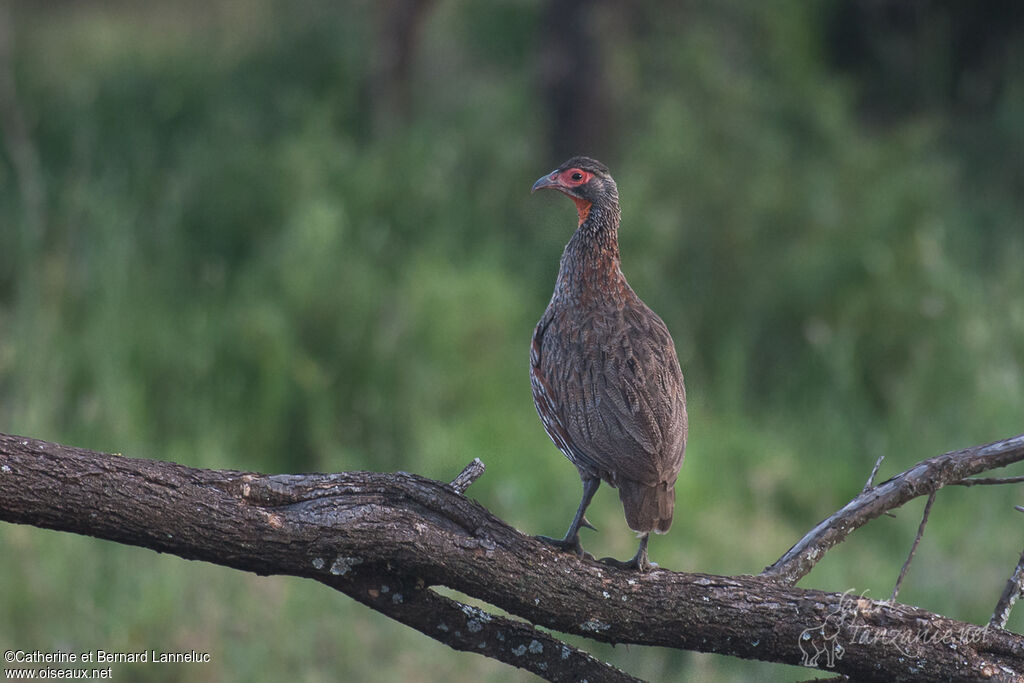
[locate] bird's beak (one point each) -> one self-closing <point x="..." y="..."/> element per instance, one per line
<point x="550" y="180"/>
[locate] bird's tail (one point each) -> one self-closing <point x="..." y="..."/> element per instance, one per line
<point x="647" y="508"/>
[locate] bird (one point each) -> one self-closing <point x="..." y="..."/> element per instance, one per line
<point x="604" y="372"/>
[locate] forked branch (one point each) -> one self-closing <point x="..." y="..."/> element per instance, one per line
<point x="924" y="478"/>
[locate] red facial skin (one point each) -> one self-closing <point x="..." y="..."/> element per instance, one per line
<point x="574" y="177"/>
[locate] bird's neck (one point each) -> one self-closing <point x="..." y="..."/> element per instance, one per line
<point x="589" y="271"/>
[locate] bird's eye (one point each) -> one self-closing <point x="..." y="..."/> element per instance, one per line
<point x="574" y="177"/>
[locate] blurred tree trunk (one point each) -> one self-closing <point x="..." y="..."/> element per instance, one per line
<point x="572" y="81"/>
<point x="910" y="57"/>
<point x="17" y="139"/>
<point x="399" y="23"/>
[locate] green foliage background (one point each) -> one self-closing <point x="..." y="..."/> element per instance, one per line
<point x="237" y="263"/>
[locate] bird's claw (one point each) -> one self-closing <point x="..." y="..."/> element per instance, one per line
<point x="572" y="545"/>
<point x="637" y="563"/>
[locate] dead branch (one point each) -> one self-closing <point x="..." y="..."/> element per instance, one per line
<point x="874" y="470"/>
<point x="987" y="481"/>
<point x="470" y="473"/>
<point x="922" y="479"/>
<point x="1010" y="594"/>
<point x="386" y="539"/>
<point x="913" y="547"/>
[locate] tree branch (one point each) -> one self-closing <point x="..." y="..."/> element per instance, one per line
<point x="874" y="470"/>
<point x="385" y="539"/>
<point x="190" y="513"/>
<point x="470" y="473"/>
<point x="1010" y="594"/>
<point x="987" y="481"/>
<point x="922" y="479"/>
<point x="913" y="548"/>
<point x="467" y="628"/>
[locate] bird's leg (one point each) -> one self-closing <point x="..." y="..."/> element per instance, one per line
<point x="572" y="536"/>
<point x="639" y="561"/>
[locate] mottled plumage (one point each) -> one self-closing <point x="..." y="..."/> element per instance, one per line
<point x="605" y="377"/>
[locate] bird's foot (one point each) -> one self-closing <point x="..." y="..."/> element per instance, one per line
<point x="639" y="562"/>
<point x="571" y="545"/>
<point x="636" y="563"/>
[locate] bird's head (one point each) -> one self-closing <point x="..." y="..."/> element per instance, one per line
<point x="583" y="179"/>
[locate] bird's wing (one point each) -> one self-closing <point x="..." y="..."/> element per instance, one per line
<point x="546" y="396"/>
<point x="616" y="392"/>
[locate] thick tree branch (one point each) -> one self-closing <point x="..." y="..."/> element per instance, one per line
<point x="190" y="512"/>
<point x="385" y="539"/>
<point x="922" y="479"/>
<point x="467" y="628"/>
